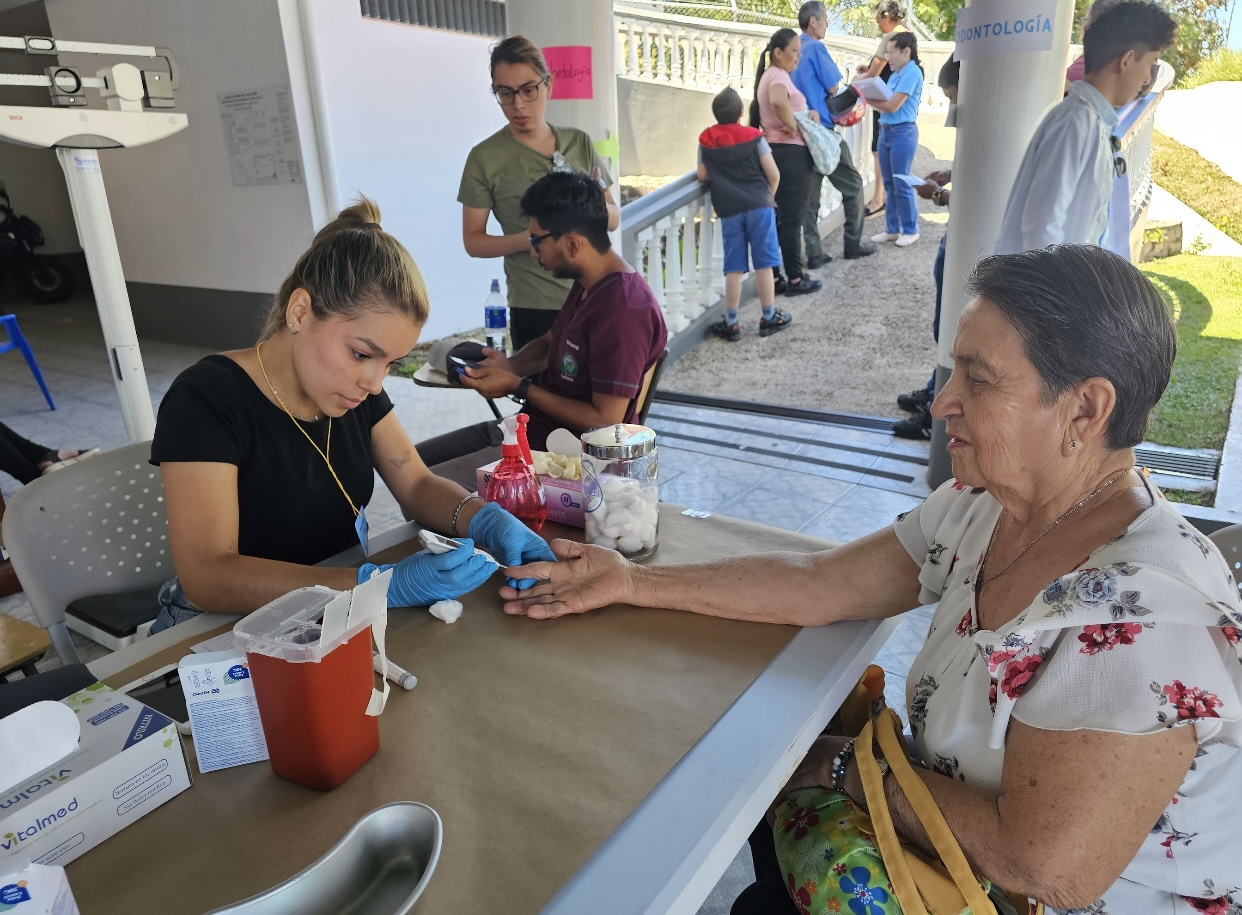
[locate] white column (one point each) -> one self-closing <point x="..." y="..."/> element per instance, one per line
<point x="1001" y="99"/>
<point x="555" y="23"/>
<point x="98" y="239"/>
<point x="706" y="231"/>
<point x="689" y="263"/>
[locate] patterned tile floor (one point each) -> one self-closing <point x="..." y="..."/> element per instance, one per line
<point x="790" y="474"/>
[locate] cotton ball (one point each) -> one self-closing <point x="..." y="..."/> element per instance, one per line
<point x="651" y="494"/>
<point x="621" y="517"/>
<point x="447" y="610"/>
<point x="629" y="544"/>
<point x="605" y="541"/>
<point x="647" y="531"/>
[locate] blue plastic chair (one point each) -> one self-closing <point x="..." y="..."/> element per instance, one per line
<point x="18" y="341"/>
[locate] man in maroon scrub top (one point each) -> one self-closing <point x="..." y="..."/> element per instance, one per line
<point x="588" y="369"/>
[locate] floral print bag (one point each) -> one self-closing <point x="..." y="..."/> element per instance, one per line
<point x="838" y="858"/>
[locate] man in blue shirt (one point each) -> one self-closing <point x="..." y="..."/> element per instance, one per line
<point x="817" y="77"/>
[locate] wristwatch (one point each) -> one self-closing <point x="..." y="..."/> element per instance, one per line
<point x="519" y="396"/>
<point x="938" y="196"/>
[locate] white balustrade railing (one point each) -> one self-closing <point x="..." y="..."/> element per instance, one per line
<point x="673" y="237"/>
<point x="708" y="55"/>
<point x="1137" y="126"/>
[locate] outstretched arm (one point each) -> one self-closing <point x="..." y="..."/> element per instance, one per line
<point x="871" y="578"/>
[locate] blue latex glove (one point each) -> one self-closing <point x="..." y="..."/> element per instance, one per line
<point x="425" y="577"/>
<point x="509" y="540"/>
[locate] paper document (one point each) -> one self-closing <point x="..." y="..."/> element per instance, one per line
<point x="221" y="642"/>
<point x="912" y="180"/>
<point x="872" y="88"/>
<point x="223" y="713"/>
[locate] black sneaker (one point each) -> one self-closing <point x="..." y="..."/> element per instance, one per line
<point x="916" y="400"/>
<point x="779" y="284"/>
<point x="730" y="332"/>
<point x="816" y="261"/>
<point x="804" y="286"/>
<point x="863" y="250"/>
<point x="917" y="426"/>
<point x="780" y="320"/>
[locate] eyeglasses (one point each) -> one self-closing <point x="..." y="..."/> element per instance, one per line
<point x="537" y="240"/>
<point x="528" y="92"/>
<point x="1119" y="164"/>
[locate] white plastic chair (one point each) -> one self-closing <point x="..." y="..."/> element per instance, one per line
<point x="1229" y="541"/>
<point x="97" y="527"/>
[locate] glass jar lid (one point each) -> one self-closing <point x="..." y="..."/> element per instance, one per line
<point x="618" y="442"/>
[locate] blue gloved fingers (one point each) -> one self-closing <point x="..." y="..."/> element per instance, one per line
<point x="521" y="584"/>
<point x="447" y="562"/>
<point x="537" y="550"/>
<point x="368" y="569"/>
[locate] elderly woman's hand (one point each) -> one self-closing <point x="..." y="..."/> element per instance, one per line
<point x="586" y="577"/>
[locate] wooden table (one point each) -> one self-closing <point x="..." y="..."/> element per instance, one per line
<point x="21" y="645"/>
<point x="612" y="762"/>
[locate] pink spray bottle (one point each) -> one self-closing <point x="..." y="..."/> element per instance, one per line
<point x="514" y="485"/>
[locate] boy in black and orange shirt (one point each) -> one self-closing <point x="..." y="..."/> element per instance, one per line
<point x="738" y="162"/>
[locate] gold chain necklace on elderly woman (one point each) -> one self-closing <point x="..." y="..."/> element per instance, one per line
<point x="1065" y="514"/>
<point x="327" y="445"/>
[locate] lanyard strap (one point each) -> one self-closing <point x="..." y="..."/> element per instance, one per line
<point x="293" y="419"/>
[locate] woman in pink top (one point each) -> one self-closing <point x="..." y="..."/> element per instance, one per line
<point x="776" y="101"/>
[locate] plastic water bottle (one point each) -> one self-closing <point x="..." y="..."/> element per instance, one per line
<point x="495" y="318"/>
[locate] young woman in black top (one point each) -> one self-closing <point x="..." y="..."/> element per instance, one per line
<point x="268" y="454"/>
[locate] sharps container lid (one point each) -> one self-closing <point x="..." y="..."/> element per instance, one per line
<point x="618" y="442"/>
<point x="303" y="625"/>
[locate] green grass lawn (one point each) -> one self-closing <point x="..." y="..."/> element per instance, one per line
<point x="1198" y="183"/>
<point x="1205" y="295"/>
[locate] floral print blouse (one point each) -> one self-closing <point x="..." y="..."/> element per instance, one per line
<point x="1144" y="635"/>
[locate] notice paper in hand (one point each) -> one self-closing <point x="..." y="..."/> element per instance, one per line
<point x="872" y="88"/>
<point x="224" y="716"/>
<point x="912" y="180"/>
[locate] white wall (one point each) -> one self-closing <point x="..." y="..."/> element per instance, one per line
<point x="399" y="108"/>
<point x="179" y="220"/>
<point x="33" y="176"/>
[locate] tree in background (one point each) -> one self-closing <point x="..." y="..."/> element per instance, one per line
<point x="1199" y="32"/>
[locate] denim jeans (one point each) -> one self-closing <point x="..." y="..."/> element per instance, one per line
<point x="896" y="150"/>
<point x="175" y="607"/>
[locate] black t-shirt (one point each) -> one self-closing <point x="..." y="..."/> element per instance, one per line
<point x="289" y="507"/>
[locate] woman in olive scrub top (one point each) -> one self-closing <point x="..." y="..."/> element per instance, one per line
<point x="500" y="169"/>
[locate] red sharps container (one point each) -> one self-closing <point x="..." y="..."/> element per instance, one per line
<point x="310" y="659"/>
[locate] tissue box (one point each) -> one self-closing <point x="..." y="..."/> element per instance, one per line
<point x="37" y="890"/>
<point x="128" y="762"/>
<point x="563" y="498"/>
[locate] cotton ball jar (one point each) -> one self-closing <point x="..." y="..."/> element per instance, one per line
<point x="621" y="489"/>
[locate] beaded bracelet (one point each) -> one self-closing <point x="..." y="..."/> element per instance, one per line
<point x="839" y="764"/>
<point x="457" y="512"/>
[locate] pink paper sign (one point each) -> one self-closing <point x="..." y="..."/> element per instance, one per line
<point x="571" y="71"/>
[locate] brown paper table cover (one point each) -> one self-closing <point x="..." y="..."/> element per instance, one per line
<point x="532" y="739"/>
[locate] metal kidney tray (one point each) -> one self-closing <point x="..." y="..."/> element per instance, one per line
<point x="380" y="867"/>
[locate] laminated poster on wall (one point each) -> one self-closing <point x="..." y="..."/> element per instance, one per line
<point x="993" y="27"/>
<point x="261" y="136"/>
<point x="571" y="71"/>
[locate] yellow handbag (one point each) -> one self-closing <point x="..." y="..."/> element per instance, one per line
<point x="862" y="853"/>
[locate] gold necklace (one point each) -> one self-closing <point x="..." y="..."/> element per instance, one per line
<point x="259" y="356"/>
<point x="327" y="446"/>
<point x="983" y="580"/>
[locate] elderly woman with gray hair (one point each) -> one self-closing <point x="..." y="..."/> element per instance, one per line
<point x="1078" y="699"/>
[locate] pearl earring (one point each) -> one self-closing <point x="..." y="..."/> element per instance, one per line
<point x="1073" y="443"/>
<point x="291" y="329"/>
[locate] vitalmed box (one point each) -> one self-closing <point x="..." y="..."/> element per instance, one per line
<point x="129" y="761"/>
<point x="563" y="498"/>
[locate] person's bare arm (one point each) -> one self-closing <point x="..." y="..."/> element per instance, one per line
<point x="870" y="578"/>
<point x="768" y="163"/>
<point x="874" y="68"/>
<point x="203" y="531"/>
<point x="479" y="243"/>
<point x="576" y="415"/>
<point x="614" y="211"/>
<point x="424" y="497"/>
<point x="891" y="106"/>
<point x="701" y="172"/>
<point x="531" y="358"/>
<point x="778" y="98"/>
<point x="1073" y="809"/>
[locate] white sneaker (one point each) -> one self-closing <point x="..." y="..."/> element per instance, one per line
<point x="881" y="237"/>
<point x="905" y="241"/>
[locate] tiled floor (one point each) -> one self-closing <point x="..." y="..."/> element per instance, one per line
<point x="797" y="475"/>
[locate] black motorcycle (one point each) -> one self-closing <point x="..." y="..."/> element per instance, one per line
<point x="43" y="277"/>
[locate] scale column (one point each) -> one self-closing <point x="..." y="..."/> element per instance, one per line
<point x="103" y="259"/>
